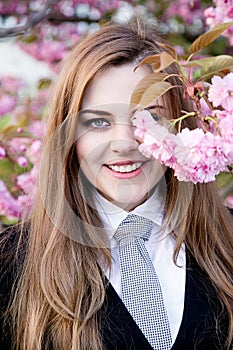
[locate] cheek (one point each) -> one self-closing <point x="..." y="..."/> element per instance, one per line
<point x="157" y="171"/>
<point x="83" y="152"/>
<point x="84" y="148"/>
<point x="91" y="152"/>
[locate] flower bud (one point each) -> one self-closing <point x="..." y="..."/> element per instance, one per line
<point x="2" y="153"/>
<point x="22" y="161"/>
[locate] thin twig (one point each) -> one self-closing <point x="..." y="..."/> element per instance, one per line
<point x="32" y="20"/>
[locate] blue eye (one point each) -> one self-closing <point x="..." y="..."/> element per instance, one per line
<point x="97" y="123"/>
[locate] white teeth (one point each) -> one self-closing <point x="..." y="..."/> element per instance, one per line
<point x="125" y="168"/>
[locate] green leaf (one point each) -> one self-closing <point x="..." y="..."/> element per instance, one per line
<point x="218" y="65"/>
<point x="9" y="126"/>
<point x="43" y="83"/>
<point x="194" y="63"/>
<point x="207" y="38"/>
<point x="4" y="121"/>
<point x="10" y="130"/>
<point x="144" y="84"/>
<point x="8" y="222"/>
<point x="6" y="168"/>
<point x="222" y="60"/>
<point x="28" y="39"/>
<point x="211" y="65"/>
<point x="225" y="184"/>
<point x="224" y="179"/>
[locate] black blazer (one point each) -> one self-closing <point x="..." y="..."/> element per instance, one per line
<point x="203" y="327"/>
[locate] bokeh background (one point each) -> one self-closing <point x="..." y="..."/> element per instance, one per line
<point x="36" y="35"/>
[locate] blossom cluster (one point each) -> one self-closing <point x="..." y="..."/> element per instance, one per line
<point x="21" y="133"/>
<point x="68" y="7"/>
<point x="52" y="44"/>
<point x="64" y="26"/>
<point x="195" y="155"/>
<point x="220" y="13"/>
<point x="189" y="11"/>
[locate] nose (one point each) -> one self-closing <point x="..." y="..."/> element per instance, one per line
<point x="123" y="139"/>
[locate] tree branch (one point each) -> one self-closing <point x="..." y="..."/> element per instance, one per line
<point x="58" y="18"/>
<point x="32" y="20"/>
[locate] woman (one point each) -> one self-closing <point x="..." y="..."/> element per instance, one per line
<point x="61" y="276"/>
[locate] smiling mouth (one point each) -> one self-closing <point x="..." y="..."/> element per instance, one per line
<point x="129" y="168"/>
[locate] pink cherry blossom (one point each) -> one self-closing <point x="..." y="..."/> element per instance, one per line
<point x="185" y="9"/>
<point x="7" y="104"/>
<point x="220" y="13"/>
<point x="16" y="143"/>
<point x="221" y="91"/>
<point x="12" y="84"/>
<point x="2" y="152"/>
<point x="53" y="42"/>
<point x="144" y="120"/>
<point x="204" y="107"/>
<point x="24" y="205"/>
<point x="195" y="155"/>
<point x="28" y="181"/>
<point x="37" y="128"/>
<point x="229" y="201"/>
<point x="226" y="127"/>
<point x="33" y="152"/>
<point x="8" y="206"/>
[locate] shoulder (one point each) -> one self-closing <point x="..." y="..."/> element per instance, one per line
<point x="13" y="243"/>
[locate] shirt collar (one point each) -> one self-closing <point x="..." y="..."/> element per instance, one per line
<point x="112" y="215"/>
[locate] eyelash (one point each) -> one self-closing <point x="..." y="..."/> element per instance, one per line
<point x="155" y="116"/>
<point x="91" y="122"/>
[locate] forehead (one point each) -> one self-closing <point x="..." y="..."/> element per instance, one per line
<point x="113" y="86"/>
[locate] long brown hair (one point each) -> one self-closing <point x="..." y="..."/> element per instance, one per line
<point x="61" y="287"/>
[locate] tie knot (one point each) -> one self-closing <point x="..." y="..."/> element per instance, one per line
<point x="134" y="226"/>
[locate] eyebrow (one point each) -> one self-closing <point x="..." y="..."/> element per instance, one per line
<point x="105" y="113"/>
<point x="95" y="111"/>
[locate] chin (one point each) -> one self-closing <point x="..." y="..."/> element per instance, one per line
<point x="129" y="203"/>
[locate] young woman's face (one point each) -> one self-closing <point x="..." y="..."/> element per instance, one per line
<point x="106" y="147"/>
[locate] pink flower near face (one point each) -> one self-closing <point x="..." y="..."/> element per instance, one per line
<point x="205" y="108"/>
<point x="226" y="127"/>
<point x="221" y="91"/>
<point x="143" y="121"/>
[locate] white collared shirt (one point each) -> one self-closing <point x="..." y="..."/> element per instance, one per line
<point x="160" y="247"/>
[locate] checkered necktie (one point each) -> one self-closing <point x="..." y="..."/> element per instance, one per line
<point x="141" y="291"/>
